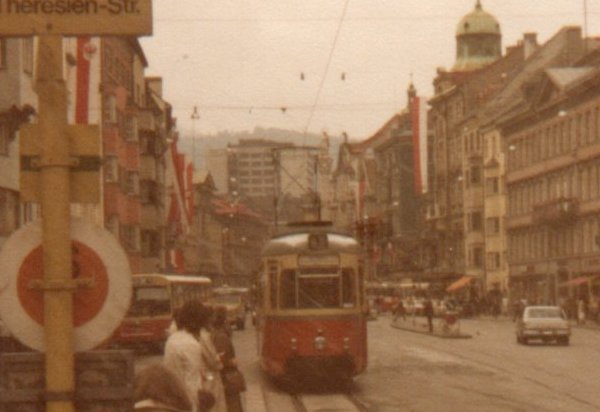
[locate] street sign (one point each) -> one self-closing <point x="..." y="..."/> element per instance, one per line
<point x="97" y="258"/>
<point x="75" y="17"/>
<point x="84" y="146"/>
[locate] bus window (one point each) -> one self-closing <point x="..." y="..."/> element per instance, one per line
<point x="150" y="301"/>
<point x="287" y="291"/>
<point x="318" y="292"/>
<point x="348" y="288"/>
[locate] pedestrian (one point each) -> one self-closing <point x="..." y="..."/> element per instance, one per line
<point x="157" y="389"/>
<point x="399" y="311"/>
<point x="212" y="360"/>
<point x="581" y="311"/>
<point x="233" y="380"/>
<point x="187" y="357"/>
<point x="428" y="312"/>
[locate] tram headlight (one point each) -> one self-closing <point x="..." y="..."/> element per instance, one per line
<point x="320" y="343"/>
<point x="294" y="343"/>
<point x="346" y="344"/>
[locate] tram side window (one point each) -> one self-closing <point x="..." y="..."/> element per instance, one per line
<point x="287" y="292"/>
<point x="273" y="285"/>
<point x="348" y="288"/>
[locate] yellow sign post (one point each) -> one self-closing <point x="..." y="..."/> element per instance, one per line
<point x="58" y="286"/>
<point x="60" y="163"/>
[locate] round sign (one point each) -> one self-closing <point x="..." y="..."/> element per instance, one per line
<point x="97" y="311"/>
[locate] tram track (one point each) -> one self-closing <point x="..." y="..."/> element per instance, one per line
<point x="327" y="402"/>
<point x="519" y="370"/>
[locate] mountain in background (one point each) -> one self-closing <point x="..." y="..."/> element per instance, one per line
<point x="220" y="140"/>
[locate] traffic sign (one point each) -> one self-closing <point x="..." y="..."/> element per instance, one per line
<point x="75" y="17"/>
<point x="84" y="146"/>
<point x="97" y="258"/>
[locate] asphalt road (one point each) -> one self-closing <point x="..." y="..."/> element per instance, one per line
<point x="489" y="372"/>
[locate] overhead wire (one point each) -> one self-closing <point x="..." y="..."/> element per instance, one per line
<point x="329" y="59"/>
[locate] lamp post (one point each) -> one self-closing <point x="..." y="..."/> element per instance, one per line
<point x="195" y="116"/>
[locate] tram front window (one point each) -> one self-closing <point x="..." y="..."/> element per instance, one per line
<point x="317" y="290"/>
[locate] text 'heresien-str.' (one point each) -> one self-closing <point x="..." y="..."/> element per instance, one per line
<point x="69" y="7"/>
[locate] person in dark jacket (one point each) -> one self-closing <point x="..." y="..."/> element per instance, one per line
<point x="224" y="346"/>
<point x="428" y="312"/>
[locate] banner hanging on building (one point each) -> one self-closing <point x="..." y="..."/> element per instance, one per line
<point x="419" y="129"/>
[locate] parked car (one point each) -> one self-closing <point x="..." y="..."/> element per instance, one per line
<point x="546" y="323"/>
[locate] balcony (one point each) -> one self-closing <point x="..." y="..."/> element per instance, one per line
<point x="146" y="120"/>
<point x="558" y="212"/>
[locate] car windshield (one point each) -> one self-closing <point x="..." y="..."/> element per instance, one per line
<point x="544" y="313"/>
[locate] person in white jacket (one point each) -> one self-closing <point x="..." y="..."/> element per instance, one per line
<point x="191" y="359"/>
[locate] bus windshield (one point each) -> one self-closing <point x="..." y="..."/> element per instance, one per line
<point x="150" y="301"/>
<point x="227" y="299"/>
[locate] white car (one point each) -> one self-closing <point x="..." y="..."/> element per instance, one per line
<point x="545" y="323"/>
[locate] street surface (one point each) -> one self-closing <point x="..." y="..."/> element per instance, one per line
<point x="415" y="372"/>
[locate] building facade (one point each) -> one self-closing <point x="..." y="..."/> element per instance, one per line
<point x="553" y="181"/>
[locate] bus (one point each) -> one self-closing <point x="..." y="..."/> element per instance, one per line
<point x="155" y="298"/>
<point x="311" y="308"/>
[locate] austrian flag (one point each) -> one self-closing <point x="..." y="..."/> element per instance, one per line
<point x="83" y="78"/>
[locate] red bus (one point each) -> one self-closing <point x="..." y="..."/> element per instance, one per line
<point x="311" y="309"/>
<point x="155" y="297"/>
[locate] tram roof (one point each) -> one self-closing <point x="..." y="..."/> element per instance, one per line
<point x="298" y="242"/>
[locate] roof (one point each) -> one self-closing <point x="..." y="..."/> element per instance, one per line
<point x="566" y="76"/>
<point x="511" y="97"/>
<point x="478" y="22"/>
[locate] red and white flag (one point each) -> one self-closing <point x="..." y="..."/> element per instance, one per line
<point x="82" y="70"/>
<point x="419" y="129"/>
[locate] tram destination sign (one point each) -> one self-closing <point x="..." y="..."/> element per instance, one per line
<point x="75" y="17"/>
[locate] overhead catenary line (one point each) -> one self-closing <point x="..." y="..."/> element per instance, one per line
<point x="351" y="19"/>
<point x="329" y="59"/>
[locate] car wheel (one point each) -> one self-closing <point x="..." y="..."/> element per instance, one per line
<point x="565" y="341"/>
<point x="524" y="340"/>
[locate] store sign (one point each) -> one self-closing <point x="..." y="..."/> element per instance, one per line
<point x="75" y="17"/>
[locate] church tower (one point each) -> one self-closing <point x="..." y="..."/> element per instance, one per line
<point x="478" y="40"/>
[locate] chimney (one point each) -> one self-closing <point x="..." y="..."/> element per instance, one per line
<point x="530" y="44"/>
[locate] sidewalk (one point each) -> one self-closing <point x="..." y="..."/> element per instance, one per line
<point x="505" y="318"/>
<point x="441" y="329"/>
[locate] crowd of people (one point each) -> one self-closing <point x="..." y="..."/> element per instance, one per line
<point x="199" y="371"/>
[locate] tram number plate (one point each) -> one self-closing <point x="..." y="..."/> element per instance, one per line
<point x="318" y="260"/>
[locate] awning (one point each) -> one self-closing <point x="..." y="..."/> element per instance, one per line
<point x="578" y="281"/>
<point x="462" y="282"/>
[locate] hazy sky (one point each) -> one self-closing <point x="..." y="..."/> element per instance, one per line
<point x="240" y="61"/>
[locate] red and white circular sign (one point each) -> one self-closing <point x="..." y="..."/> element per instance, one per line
<point x="97" y="311"/>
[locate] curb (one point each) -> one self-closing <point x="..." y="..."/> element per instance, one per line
<point x="435" y="334"/>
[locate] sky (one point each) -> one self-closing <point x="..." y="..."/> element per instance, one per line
<point x="339" y="66"/>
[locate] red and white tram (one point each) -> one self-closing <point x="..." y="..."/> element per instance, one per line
<point x="311" y="306"/>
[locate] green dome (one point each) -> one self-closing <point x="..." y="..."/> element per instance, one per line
<point x="478" y="22"/>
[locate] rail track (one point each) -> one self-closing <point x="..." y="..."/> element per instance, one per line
<point x="327" y="402"/>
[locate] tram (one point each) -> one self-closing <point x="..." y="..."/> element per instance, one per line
<point x="311" y="309"/>
<point x="155" y="297"/>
